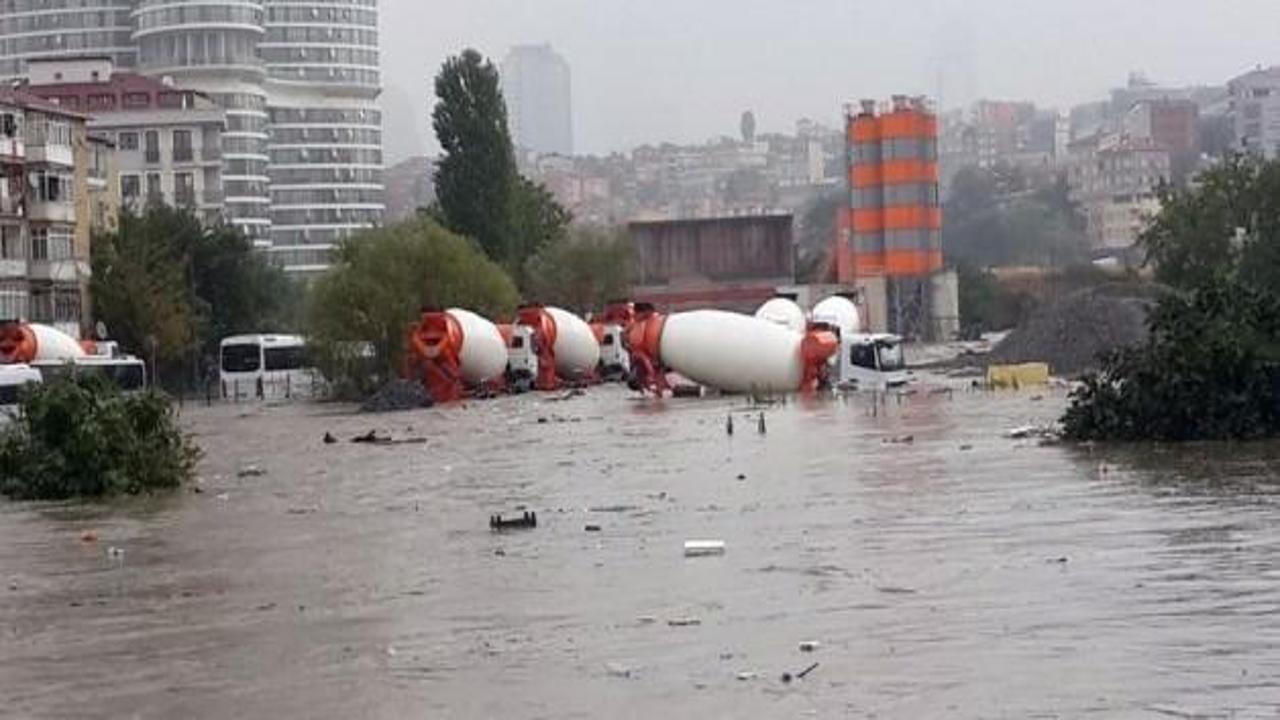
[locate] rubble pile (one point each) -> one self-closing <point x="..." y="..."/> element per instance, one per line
<point x="398" y="395"/>
<point x="1071" y="333"/>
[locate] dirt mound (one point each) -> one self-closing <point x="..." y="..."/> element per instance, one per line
<point x="1070" y="333"/>
<point x="398" y="395"/>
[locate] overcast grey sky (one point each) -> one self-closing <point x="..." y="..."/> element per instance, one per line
<point x="684" y="70"/>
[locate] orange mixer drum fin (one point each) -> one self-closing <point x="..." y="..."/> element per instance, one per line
<point x="643" y="340"/>
<point x="434" y="346"/>
<point x="544" y="330"/>
<point x="816" y="349"/>
<point x="18" y="343"/>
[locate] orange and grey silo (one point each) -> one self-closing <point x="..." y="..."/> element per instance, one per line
<point x="894" y="220"/>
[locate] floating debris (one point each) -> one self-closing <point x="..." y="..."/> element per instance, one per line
<point x="527" y="521"/>
<point x="703" y="548"/>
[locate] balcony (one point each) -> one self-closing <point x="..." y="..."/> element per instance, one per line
<point x="211" y="154"/>
<point x="12" y="148"/>
<point x="11" y="268"/>
<point x="211" y="198"/>
<point x="53" y="154"/>
<point x="11" y="206"/>
<point x="185" y="199"/>
<point x="183" y="155"/>
<point x="151" y="157"/>
<point x="56" y="211"/>
<point x="64" y="271"/>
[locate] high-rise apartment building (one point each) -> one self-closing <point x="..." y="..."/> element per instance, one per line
<point x="325" y="127"/>
<point x="536" y="86"/>
<point x="298" y="81"/>
<point x="64" y="28"/>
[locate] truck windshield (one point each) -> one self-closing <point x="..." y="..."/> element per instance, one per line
<point x="9" y="394"/>
<point x="891" y="357"/>
<point x="241" y="358"/>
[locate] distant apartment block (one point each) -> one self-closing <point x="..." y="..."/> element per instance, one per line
<point x="536" y="84"/>
<point x="50" y="175"/>
<point x="1255" y="112"/>
<point x="298" y="81"/>
<point x="1114" y="178"/>
<point x="168" y="140"/>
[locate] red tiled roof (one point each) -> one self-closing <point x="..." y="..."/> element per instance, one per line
<point x="29" y="101"/>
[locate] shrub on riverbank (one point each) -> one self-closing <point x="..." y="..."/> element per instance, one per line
<point x="80" y="437"/>
<point x="1209" y="370"/>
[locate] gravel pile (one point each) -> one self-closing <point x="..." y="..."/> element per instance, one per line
<point x="1070" y="334"/>
<point x="398" y="395"/>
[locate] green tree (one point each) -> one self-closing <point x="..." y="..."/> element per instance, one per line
<point x="379" y="282"/>
<point x="1210" y="368"/>
<point x="541" y="222"/>
<point x="817" y="234"/>
<point x="480" y="193"/>
<point x="141" y="284"/>
<point x="583" y="271"/>
<point x="1228" y="223"/>
<point x="998" y="217"/>
<point x="163" y="275"/>
<point x="476" y="177"/>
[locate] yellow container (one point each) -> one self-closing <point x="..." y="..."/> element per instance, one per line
<point x="1016" y="377"/>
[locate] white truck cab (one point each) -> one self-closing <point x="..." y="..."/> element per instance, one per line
<point x="522" y="359"/>
<point x="870" y="361"/>
<point x="615" y="361"/>
<point x="12" y="379"/>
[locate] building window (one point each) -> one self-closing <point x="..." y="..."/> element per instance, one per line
<point x="135" y="100"/>
<point x="128" y="141"/>
<point x="182" y="146"/>
<point x="11" y="245"/>
<point x="153" y="146"/>
<point x="40" y="243"/>
<point x="9" y="125"/>
<point x="103" y="101"/>
<point x="154" y="191"/>
<point x="184" y="189"/>
<point x="130" y="187"/>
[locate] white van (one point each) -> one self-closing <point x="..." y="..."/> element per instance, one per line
<point x="12" y="379"/>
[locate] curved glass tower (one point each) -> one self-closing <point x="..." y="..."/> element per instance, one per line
<point x="64" y="28"/>
<point x="326" y="130"/>
<point x="213" y="47"/>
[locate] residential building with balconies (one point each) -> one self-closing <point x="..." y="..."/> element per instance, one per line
<point x="168" y="140"/>
<point x="298" y="81"/>
<point x="45" y="159"/>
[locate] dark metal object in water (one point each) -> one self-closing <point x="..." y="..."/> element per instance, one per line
<point x="528" y="521"/>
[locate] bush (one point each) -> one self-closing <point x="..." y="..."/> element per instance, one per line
<point x="80" y="437"/>
<point x="361" y="309"/>
<point x="1209" y="370"/>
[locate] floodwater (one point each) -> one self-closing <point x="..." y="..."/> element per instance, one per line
<point x="963" y="574"/>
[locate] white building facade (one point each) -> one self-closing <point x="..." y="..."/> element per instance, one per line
<point x="298" y="80"/>
<point x="1255" y="112"/>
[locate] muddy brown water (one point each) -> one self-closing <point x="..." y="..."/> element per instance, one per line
<point x="963" y="574"/>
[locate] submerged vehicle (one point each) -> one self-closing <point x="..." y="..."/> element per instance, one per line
<point x="726" y="351"/>
<point x="870" y="361"/>
<point x="265" y="367"/>
<point x="565" y="347"/>
<point x="615" y="361"/>
<point x="13" y="378"/>
<point x="453" y="351"/>
<point x="52" y="353"/>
